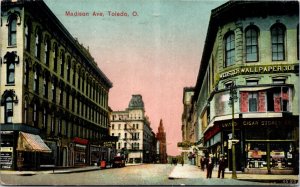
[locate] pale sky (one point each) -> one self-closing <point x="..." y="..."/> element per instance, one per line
<point x="156" y="53"/>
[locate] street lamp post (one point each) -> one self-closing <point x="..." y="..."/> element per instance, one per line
<point x="232" y="99"/>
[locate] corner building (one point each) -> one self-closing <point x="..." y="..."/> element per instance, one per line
<point x="137" y="141"/>
<point x="254" y="47"/>
<point x="52" y="91"/>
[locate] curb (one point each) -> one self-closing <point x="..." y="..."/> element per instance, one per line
<point x="285" y="181"/>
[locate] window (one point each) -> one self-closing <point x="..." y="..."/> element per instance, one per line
<point x="62" y="65"/>
<point x="125" y="145"/>
<point x="55" y="57"/>
<point x="73" y="103"/>
<point x="78" y="83"/>
<point x="137" y="126"/>
<point x="251" y="82"/>
<point x="26" y="73"/>
<point x="251" y="44"/>
<point x="74" y="77"/>
<point x="53" y="89"/>
<point x="112" y="134"/>
<point x="277" y="38"/>
<point x="45" y="87"/>
<point x="47" y="52"/>
<point x="27" y="36"/>
<point x="119" y="134"/>
<point x="10" y="72"/>
<point x="35" y="114"/>
<point x="119" y="127"/>
<point x="45" y="118"/>
<point x="125" y="126"/>
<point x="12" y="31"/>
<point x="59" y="126"/>
<point x="278" y="99"/>
<point x="68" y="69"/>
<point x="61" y="96"/>
<point x="112" y="126"/>
<point x="37" y="49"/>
<point x="8" y="109"/>
<point x="26" y="111"/>
<point x="229" y="49"/>
<point x="125" y="135"/>
<point x="252" y="102"/>
<point x="67" y="99"/>
<point x="36" y="82"/>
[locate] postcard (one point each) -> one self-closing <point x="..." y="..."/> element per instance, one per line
<point x="149" y="92"/>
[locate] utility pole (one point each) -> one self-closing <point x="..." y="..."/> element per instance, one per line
<point x="232" y="99"/>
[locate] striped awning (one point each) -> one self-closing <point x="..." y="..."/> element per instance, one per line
<point x="32" y="143"/>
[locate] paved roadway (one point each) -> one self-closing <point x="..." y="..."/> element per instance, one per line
<point x="146" y="174"/>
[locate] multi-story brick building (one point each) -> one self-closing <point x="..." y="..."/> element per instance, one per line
<point x="52" y="90"/>
<point x="257" y="52"/>
<point x="132" y="126"/>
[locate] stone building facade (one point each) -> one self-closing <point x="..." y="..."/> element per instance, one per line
<point x="136" y="139"/>
<point x="50" y="86"/>
<point x="254" y="54"/>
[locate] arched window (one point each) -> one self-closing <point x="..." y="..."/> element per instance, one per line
<point x="68" y="69"/>
<point x="35" y="115"/>
<point x="10" y="72"/>
<point x="53" y="90"/>
<point x="251" y="37"/>
<point x="27" y="36"/>
<point x="45" y="87"/>
<point x="62" y="65"/>
<point x="277" y="39"/>
<point x="45" y="118"/>
<point x="47" y="52"/>
<point x="37" y="49"/>
<point x="12" y="31"/>
<point x="26" y="73"/>
<point x="55" y="57"/>
<point x="36" y="82"/>
<point x="26" y="111"/>
<point x="229" y="49"/>
<point x="8" y="109"/>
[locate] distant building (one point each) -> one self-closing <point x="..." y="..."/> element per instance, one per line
<point x="54" y="97"/>
<point x="161" y="144"/>
<point x="132" y="126"/>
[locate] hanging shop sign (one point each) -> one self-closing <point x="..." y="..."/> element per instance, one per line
<point x="262" y="69"/>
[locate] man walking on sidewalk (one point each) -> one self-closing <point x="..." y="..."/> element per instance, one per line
<point x="222" y="166"/>
<point x="210" y="166"/>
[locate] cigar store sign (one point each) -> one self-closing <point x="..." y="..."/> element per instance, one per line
<point x="263" y="69"/>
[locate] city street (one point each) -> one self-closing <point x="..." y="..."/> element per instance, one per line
<point x="146" y="174"/>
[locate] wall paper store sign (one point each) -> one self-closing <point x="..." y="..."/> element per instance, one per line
<point x="263" y="69"/>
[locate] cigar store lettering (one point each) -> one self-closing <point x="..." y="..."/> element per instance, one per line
<point x="260" y="69"/>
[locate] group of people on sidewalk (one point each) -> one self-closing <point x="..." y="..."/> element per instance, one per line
<point x="208" y="164"/>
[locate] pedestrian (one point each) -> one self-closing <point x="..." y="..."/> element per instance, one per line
<point x="182" y="161"/>
<point x="222" y="166"/>
<point x="202" y="162"/>
<point x="210" y="166"/>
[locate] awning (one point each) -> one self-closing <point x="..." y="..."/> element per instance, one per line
<point x="253" y="89"/>
<point x="31" y="143"/>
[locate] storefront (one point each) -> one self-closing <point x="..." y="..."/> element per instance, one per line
<point x="80" y="151"/>
<point x="261" y="141"/>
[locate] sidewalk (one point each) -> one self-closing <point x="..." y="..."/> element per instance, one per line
<point x="58" y="171"/>
<point x="191" y="171"/>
